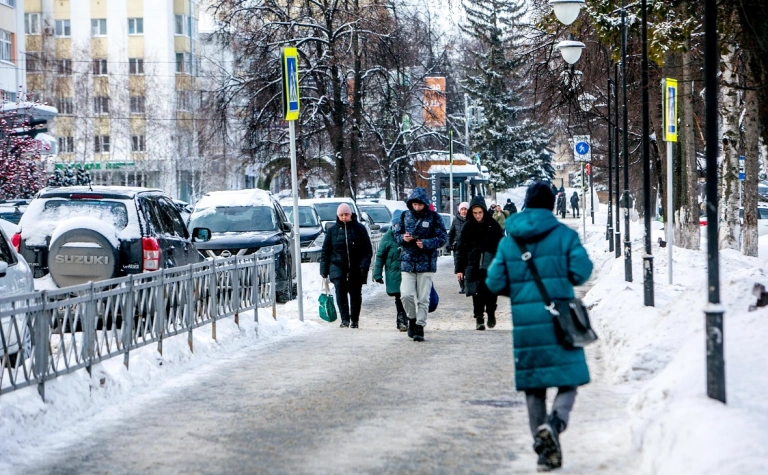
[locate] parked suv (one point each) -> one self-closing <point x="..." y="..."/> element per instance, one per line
<point x="80" y="234"/>
<point x="244" y="222"/>
<point x="310" y="230"/>
<point x="326" y="208"/>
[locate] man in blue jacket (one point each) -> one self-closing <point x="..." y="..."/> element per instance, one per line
<point x="420" y="236"/>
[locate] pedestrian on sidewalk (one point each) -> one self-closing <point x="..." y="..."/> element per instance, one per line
<point x="388" y="261"/>
<point x="562" y="207"/>
<point x="510" y="208"/>
<point x="420" y="234"/>
<point x="346" y="259"/>
<point x="477" y="247"/>
<point x="540" y="361"/>
<point x="455" y="232"/>
<point x="497" y="214"/>
<point x="575" y="205"/>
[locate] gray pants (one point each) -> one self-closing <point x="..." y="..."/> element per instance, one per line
<point x="537" y="406"/>
<point x="414" y="292"/>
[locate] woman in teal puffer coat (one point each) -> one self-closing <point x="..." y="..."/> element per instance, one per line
<point x="388" y="263"/>
<point x="540" y="361"/>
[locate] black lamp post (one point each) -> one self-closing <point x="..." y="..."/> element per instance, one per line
<point x="625" y="146"/>
<point x="617" y="229"/>
<point x="647" y="257"/>
<point x="609" y="225"/>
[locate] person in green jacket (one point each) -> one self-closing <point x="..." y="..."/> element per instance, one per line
<point x="540" y="361"/>
<point x="388" y="262"/>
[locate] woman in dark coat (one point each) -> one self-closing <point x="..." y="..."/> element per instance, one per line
<point x="540" y="361"/>
<point x="455" y="232"/>
<point x="477" y="246"/>
<point x="346" y="259"/>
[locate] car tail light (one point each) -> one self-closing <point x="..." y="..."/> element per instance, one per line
<point x="151" y="252"/>
<point x="16" y="241"/>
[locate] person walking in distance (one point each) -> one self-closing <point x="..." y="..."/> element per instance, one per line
<point x="388" y="262"/>
<point x="346" y="259"/>
<point x="575" y="205"/>
<point x="497" y="214"/>
<point x="540" y="361"/>
<point x="510" y="208"/>
<point x="455" y="232"/>
<point x="477" y="247"/>
<point x="420" y="234"/>
<point x="562" y="207"/>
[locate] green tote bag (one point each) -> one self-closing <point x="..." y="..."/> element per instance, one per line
<point x="327" y="308"/>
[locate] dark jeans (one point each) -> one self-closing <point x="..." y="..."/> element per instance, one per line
<point x="484" y="301"/>
<point x="537" y="406"/>
<point x="575" y="211"/>
<point x="353" y="289"/>
<point x="399" y="304"/>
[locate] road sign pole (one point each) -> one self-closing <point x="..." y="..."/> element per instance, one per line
<point x="450" y="174"/>
<point x="669" y="221"/>
<point x="584" y="201"/>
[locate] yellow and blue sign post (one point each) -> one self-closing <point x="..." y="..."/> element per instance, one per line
<point x="291" y="108"/>
<point x="669" y="98"/>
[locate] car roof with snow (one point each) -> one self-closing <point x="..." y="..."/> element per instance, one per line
<point x="335" y="199"/>
<point x="235" y="198"/>
<point x="116" y="192"/>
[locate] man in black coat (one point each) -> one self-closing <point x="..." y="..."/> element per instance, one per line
<point x="510" y="208"/>
<point x="455" y="232"/>
<point x="346" y="259"/>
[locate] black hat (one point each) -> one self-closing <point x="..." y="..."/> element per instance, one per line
<point x="539" y="195"/>
<point x="509" y="200"/>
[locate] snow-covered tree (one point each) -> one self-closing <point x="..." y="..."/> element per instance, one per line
<point x="512" y="145"/>
<point x="21" y="171"/>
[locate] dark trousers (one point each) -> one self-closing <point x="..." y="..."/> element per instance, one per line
<point x="575" y="210"/>
<point x="536" y="400"/>
<point x="399" y="304"/>
<point x="484" y="301"/>
<point x="349" y="298"/>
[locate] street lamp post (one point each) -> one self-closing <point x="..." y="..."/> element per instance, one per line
<point x="647" y="257"/>
<point x="609" y="225"/>
<point x="625" y="146"/>
<point x="617" y="246"/>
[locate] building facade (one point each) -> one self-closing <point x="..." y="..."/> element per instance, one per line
<point x="124" y="76"/>
<point x="12" y="30"/>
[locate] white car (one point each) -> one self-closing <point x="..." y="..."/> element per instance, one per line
<point x="15" y="279"/>
<point x="762" y="219"/>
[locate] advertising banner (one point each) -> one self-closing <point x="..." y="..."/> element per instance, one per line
<point x="434" y="102"/>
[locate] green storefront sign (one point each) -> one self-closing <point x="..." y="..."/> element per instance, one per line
<point x="97" y="165"/>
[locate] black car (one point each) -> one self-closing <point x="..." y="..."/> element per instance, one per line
<point x="11" y="210"/>
<point x="310" y="230"/>
<point x="244" y="222"/>
<point x="81" y="234"/>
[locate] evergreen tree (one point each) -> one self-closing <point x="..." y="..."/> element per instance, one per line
<point x="509" y="143"/>
<point x="69" y="177"/>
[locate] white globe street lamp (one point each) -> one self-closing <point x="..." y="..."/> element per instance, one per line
<point x="571" y="50"/>
<point x="566" y="10"/>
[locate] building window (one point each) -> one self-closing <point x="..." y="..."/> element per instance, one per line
<point x="8" y="96"/>
<point x="184" y="63"/>
<point x="101" y="144"/>
<point x="101" y="105"/>
<point x="65" y="105"/>
<point x="135" y="66"/>
<point x="137" y="104"/>
<point x="138" y="143"/>
<point x="10" y="3"/>
<point x="182" y="25"/>
<point x="66" y="145"/>
<point x="63" y="28"/>
<point x="64" y="67"/>
<point x="32" y="23"/>
<point x="6" y="39"/>
<point x="99" y="67"/>
<point x="99" y="27"/>
<point x="33" y="62"/>
<point x="183" y="102"/>
<point x="135" y="26"/>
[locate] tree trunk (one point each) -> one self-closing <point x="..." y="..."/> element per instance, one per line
<point x="357" y="113"/>
<point x="687" y="231"/>
<point x="729" y="231"/>
<point x="751" y="145"/>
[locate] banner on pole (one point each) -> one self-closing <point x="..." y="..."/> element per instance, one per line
<point x="290" y="63"/>
<point x="434" y="102"/>
<point x="670" y="110"/>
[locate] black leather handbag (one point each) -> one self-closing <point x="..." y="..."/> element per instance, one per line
<point x="570" y="316"/>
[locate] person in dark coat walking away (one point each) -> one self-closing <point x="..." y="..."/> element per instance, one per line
<point x="388" y="262"/>
<point x="562" y="207"/>
<point x="420" y="235"/>
<point x="510" y="207"/>
<point x="575" y="205"/>
<point x="554" y="192"/>
<point x="477" y="247"/>
<point x="346" y="259"/>
<point x="455" y="232"/>
<point x="540" y="361"/>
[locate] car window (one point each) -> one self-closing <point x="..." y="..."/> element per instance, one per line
<point x="379" y="214"/>
<point x="113" y="212"/>
<point x="306" y="216"/>
<point x="6" y="255"/>
<point x="762" y="213"/>
<point x="235" y="219"/>
<point x="154" y="216"/>
<point x="327" y="210"/>
<point x="171" y="215"/>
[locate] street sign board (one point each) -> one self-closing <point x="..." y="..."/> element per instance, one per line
<point x="670" y="110"/>
<point x="741" y="167"/>
<point x="582" y="149"/>
<point x="290" y="57"/>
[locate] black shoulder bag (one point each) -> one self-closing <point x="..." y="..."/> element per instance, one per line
<point x="570" y="316"/>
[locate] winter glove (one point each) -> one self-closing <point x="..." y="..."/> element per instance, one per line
<point x="379" y="280"/>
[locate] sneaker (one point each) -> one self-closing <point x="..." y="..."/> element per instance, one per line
<point x="402" y="322"/>
<point x="353" y="325"/>
<point x="344" y="324"/>
<point x="418" y="333"/>
<point x="543" y="465"/>
<point x="550" y="445"/>
<point x="411" y="327"/>
<point x="479" y="322"/>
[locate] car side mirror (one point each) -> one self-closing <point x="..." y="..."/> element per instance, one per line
<point x="3" y="268"/>
<point x="328" y="225"/>
<point x="287" y="227"/>
<point x="201" y="234"/>
<point x="375" y="227"/>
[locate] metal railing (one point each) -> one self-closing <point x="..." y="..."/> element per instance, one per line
<point x="85" y="324"/>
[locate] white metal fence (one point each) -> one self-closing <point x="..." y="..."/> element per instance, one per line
<point x="49" y="333"/>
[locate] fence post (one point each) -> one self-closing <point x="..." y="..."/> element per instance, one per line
<point x="89" y="329"/>
<point x="129" y="313"/>
<point x="236" y="293"/>
<point x="212" y="289"/>
<point x="272" y="284"/>
<point x="255" y="291"/>
<point x="190" y="306"/>
<point x="42" y="330"/>
<point x="160" y="311"/>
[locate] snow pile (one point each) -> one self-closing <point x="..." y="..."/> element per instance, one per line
<point x="234" y="198"/>
<point x="105" y="228"/>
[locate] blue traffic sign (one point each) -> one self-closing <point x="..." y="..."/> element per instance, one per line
<point x="582" y="152"/>
<point x="582" y="148"/>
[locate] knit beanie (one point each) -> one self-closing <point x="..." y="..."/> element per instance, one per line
<point x="343" y="209"/>
<point x="463" y="204"/>
<point x="539" y="195"/>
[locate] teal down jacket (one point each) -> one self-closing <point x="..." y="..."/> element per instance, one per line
<point x="540" y="361"/>
<point x="388" y="260"/>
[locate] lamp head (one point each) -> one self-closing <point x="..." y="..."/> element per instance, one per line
<point x="566" y="10"/>
<point x="571" y="50"/>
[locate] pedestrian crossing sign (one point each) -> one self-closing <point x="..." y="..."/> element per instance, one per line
<point x="670" y="110"/>
<point x="290" y="57"/>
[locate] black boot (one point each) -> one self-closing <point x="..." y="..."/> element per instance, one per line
<point x="418" y="333"/>
<point x="411" y="327"/>
<point x="402" y="321"/>
<point x="344" y="324"/>
<point x="479" y="322"/>
<point x="491" y="319"/>
<point x="354" y="324"/>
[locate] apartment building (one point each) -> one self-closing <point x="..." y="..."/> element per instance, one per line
<point x="124" y="76"/>
<point x="12" y="28"/>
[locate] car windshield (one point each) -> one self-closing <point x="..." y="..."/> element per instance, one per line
<point x="112" y="212"/>
<point x="235" y="219"/>
<point x="327" y="210"/>
<point x="306" y="216"/>
<point x="380" y="214"/>
<point x="762" y="213"/>
<point x="12" y="214"/>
